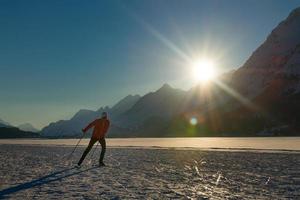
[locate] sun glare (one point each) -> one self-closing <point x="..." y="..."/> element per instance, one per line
<point x="203" y="70"/>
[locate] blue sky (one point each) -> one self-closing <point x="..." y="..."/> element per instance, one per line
<point x="59" y="56"/>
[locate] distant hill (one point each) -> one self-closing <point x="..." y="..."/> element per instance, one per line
<point x="27" y="127"/>
<point x="11" y="132"/>
<point x="4" y="123"/>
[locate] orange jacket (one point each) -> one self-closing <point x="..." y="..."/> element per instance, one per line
<point x="100" y="128"/>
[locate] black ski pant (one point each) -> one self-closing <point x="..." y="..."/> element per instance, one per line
<point x="91" y="144"/>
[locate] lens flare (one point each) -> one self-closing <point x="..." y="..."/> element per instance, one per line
<point x="193" y="121"/>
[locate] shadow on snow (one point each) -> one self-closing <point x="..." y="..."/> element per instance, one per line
<point x="59" y="175"/>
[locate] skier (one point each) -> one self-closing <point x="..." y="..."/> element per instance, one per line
<point x="100" y="128"/>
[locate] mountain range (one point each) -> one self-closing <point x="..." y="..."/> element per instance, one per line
<point x="25" y="130"/>
<point x="73" y="126"/>
<point x="13" y="132"/>
<point x="4" y="123"/>
<point x="259" y="98"/>
<point x="28" y="127"/>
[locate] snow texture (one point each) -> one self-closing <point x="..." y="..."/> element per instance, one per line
<point x="36" y="172"/>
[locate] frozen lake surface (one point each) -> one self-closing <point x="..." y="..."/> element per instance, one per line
<point x="44" y="172"/>
<point x="226" y="143"/>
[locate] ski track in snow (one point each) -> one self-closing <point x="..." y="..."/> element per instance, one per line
<point x="36" y="172"/>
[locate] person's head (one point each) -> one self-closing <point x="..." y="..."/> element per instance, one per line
<point x="104" y="115"/>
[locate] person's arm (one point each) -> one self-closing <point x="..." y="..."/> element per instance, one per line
<point x="89" y="126"/>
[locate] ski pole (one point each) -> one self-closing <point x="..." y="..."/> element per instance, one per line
<point x="75" y="147"/>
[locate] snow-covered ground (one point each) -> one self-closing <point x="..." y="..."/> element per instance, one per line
<point x="44" y="172"/>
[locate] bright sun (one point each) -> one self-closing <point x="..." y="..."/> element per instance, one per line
<point x="203" y="70"/>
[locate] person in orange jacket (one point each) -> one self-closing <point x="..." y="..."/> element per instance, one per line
<point x="100" y="128"/>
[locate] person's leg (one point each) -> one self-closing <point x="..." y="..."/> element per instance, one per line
<point x="87" y="150"/>
<point x="103" y="146"/>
